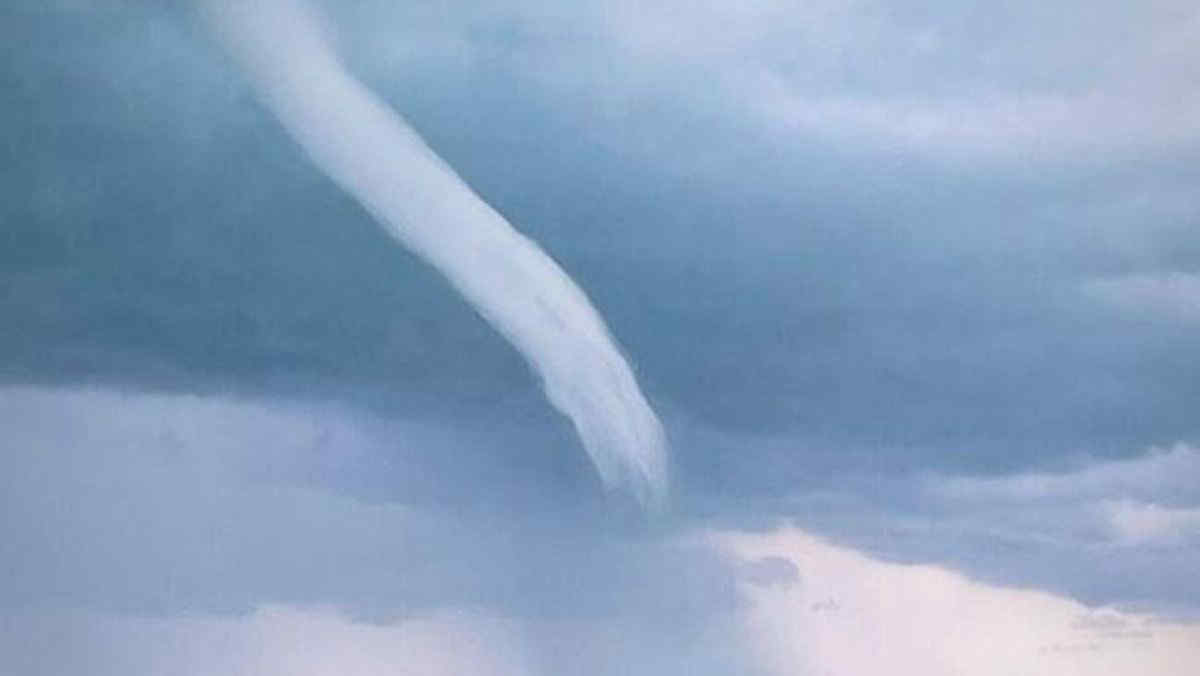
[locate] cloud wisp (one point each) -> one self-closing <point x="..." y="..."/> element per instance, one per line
<point x="373" y="154"/>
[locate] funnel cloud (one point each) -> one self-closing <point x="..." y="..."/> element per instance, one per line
<point x="374" y="155"/>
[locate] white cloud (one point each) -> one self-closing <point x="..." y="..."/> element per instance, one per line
<point x="1160" y="474"/>
<point x="1138" y="523"/>
<point x="1148" y="501"/>
<point x="851" y="615"/>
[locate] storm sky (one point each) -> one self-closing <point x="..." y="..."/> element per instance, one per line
<point x="915" y="290"/>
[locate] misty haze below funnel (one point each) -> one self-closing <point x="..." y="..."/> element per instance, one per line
<point x="374" y="155"/>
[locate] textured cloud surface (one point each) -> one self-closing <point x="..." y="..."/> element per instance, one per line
<point x="916" y="282"/>
<point x="850" y="615"/>
<point x="202" y="535"/>
<point x="844" y="615"/>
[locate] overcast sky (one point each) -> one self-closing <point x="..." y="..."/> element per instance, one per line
<point x="915" y="290"/>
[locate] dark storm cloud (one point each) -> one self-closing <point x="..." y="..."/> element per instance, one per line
<point x="835" y="240"/>
<point x="851" y="294"/>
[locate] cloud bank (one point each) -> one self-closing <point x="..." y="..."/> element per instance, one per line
<point x="849" y="614"/>
<point x="200" y="535"/>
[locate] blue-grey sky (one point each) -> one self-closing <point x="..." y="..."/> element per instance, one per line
<point x="922" y="280"/>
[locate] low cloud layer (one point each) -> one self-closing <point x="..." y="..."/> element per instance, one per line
<point x="126" y="510"/>
<point x="196" y="535"/>
<point x="848" y="615"/>
<point x="145" y="529"/>
<point x="1121" y="532"/>
<point x="153" y="503"/>
<point x="853" y="615"/>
